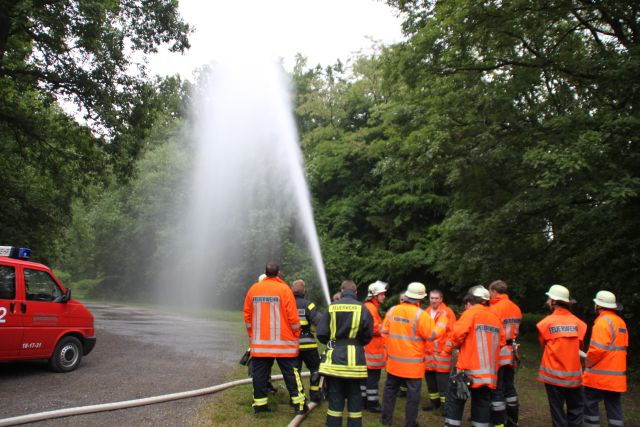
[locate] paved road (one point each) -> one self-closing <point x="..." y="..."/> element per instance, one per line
<point x="139" y="353"/>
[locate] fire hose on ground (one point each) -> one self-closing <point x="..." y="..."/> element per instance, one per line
<point x="80" y="410"/>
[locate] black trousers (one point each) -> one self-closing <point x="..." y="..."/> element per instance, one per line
<point x="391" y="388"/>
<point x="339" y="390"/>
<point x="262" y="374"/>
<point x="480" y="406"/>
<point x="612" y="404"/>
<point x="504" y="399"/>
<point x="311" y="359"/>
<point x="373" y="381"/>
<point x="437" y="384"/>
<point x="557" y="397"/>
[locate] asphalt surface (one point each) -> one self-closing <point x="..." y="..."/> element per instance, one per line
<point x="139" y="353"/>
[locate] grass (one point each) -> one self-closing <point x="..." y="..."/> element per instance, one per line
<point x="232" y="407"/>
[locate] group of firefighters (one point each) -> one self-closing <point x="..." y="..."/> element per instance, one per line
<point x="475" y="356"/>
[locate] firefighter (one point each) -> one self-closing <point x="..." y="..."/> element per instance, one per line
<point x="605" y="376"/>
<point x="479" y="335"/>
<point x="309" y="315"/>
<point x="406" y="329"/>
<point x="438" y="355"/>
<point x="561" y="335"/>
<point x="273" y="326"/>
<point x="345" y="328"/>
<point x="374" y="351"/>
<point x="504" y="399"/>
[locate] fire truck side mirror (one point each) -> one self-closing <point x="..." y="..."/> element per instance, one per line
<point x="66" y="296"/>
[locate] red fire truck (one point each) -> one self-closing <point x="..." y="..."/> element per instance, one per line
<point x="38" y="318"/>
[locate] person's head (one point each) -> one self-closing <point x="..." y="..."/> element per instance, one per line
<point x="401" y="297"/>
<point x="378" y="290"/>
<point x="606" y="300"/>
<point x="336" y="297"/>
<point x="435" y="298"/>
<point x="298" y="287"/>
<point x="415" y="292"/>
<point x="349" y="285"/>
<point x="558" y="296"/>
<point x="271" y="269"/>
<point x="480" y="295"/>
<point x="498" y="287"/>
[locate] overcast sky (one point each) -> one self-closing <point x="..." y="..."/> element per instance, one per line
<point x="322" y="30"/>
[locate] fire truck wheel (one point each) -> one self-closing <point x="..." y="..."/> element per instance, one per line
<point x="67" y="355"/>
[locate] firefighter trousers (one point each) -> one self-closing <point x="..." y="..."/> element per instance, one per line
<point x="480" y="407"/>
<point x="437" y="384"/>
<point x="339" y="390"/>
<point x="311" y="359"/>
<point x="612" y="404"/>
<point x="262" y="374"/>
<point x="504" y="399"/>
<point x="557" y="397"/>
<point x="373" y="381"/>
<point x="391" y="388"/>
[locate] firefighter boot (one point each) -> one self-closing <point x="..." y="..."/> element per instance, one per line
<point x="512" y="415"/>
<point x="374" y="407"/>
<point x="434" y="402"/>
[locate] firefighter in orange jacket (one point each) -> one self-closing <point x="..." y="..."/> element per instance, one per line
<point x="605" y="376"/>
<point x="561" y="335"/>
<point x="479" y="335"/>
<point x="406" y="329"/>
<point x="273" y="325"/>
<point x="374" y="351"/>
<point x="438" y="354"/>
<point x="504" y="399"/>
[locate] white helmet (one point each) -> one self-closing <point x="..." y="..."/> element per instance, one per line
<point x="481" y="291"/>
<point x="559" y="293"/>
<point x="416" y="290"/>
<point x="262" y="277"/>
<point x="606" y="299"/>
<point x="377" y="287"/>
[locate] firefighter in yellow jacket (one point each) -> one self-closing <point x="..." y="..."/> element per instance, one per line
<point x="345" y="328"/>
<point x="605" y="376"/>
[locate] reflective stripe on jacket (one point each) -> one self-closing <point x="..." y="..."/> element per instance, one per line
<point x="346" y="328"/>
<point x="271" y="318"/>
<point x="374" y="351"/>
<point x="511" y="317"/>
<point x="561" y="335"/>
<point x="406" y="328"/>
<point x="606" y="364"/>
<point x="479" y="335"/>
<point x="437" y="356"/>
<point x="309" y="316"/>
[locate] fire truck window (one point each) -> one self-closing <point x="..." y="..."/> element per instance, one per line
<point x="40" y="286"/>
<point x="7" y="282"/>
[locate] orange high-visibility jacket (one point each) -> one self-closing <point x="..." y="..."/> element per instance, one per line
<point x="437" y="357"/>
<point x="271" y="318"/>
<point x="479" y="335"/>
<point x="561" y="335"/>
<point x="511" y="316"/>
<point x="374" y="351"/>
<point x="606" y="363"/>
<point x="405" y="329"/>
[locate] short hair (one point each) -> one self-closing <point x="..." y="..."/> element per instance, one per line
<point x="499" y="286"/>
<point x="559" y="303"/>
<point x="436" y="291"/>
<point x="349" y="285"/>
<point x="271" y="269"/>
<point x="473" y="300"/>
<point x="298" y="286"/>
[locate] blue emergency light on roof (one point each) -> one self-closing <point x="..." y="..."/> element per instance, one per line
<point x="17" y="253"/>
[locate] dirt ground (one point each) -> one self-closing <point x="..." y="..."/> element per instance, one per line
<point x="139" y="353"/>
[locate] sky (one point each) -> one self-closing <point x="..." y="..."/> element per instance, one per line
<point x="322" y="30"/>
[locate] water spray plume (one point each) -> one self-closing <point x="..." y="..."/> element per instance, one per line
<point x="249" y="192"/>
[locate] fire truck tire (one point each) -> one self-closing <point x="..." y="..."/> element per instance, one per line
<point x="67" y="354"/>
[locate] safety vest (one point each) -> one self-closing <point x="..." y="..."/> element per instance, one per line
<point x="374" y="351"/>
<point x="511" y="317"/>
<point x="561" y="335"/>
<point x="606" y="363"/>
<point x="437" y="356"/>
<point x="271" y="318"/>
<point x="309" y="315"/>
<point x="479" y="335"/>
<point x="346" y="328"/>
<point x="405" y="329"/>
